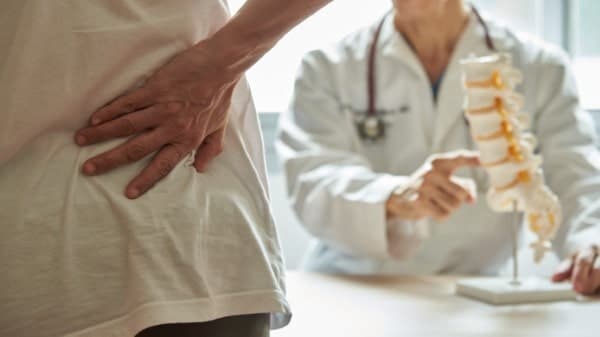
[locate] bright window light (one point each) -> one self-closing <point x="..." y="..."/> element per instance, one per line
<point x="587" y="51"/>
<point x="272" y="78"/>
<point x="524" y="16"/>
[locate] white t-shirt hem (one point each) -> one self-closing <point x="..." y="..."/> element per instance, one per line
<point x="193" y="311"/>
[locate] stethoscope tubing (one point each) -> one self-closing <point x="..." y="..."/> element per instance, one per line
<point x="372" y="60"/>
<point x="371" y="71"/>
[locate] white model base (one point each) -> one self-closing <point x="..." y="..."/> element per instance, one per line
<point x="498" y="290"/>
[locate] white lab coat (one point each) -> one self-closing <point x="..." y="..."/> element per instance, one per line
<point x="338" y="183"/>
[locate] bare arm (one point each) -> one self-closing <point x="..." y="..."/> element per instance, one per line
<point x="184" y="106"/>
<point x="258" y="25"/>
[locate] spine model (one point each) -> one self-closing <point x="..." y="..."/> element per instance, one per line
<point x="507" y="152"/>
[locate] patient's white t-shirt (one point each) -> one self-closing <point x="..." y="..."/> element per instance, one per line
<point x="76" y="257"/>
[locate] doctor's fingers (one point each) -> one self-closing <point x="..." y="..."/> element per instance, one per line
<point x="457" y="192"/>
<point x="447" y="202"/>
<point x="582" y="278"/>
<point x="596" y="274"/>
<point x="127" y="125"/>
<point x="429" y="207"/>
<point x="564" y="270"/>
<point x="450" y="164"/>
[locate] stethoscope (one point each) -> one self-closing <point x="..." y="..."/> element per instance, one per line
<point x="372" y="127"/>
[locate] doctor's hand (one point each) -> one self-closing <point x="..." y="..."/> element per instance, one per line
<point x="182" y="108"/>
<point x="435" y="192"/>
<point x="583" y="270"/>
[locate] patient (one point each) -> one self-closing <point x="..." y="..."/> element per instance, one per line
<point x="198" y="255"/>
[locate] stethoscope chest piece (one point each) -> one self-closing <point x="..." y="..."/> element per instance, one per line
<point x="371" y="128"/>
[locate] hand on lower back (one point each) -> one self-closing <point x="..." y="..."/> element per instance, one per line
<point x="182" y="108"/>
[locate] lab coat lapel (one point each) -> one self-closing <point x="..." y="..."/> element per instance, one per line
<point x="450" y="96"/>
<point x="396" y="49"/>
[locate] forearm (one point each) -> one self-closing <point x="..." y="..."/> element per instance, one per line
<point x="344" y="206"/>
<point x="256" y="28"/>
<point x="400" y="204"/>
<point x="406" y="229"/>
<point x="404" y="238"/>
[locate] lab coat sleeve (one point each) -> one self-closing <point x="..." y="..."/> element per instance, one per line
<point x="568" y="145"/>
<point x="334" y="191"/>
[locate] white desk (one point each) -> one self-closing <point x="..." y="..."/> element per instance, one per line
<point x="332" y="306"/>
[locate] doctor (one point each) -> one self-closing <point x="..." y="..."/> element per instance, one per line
<point x="379" y="116"/>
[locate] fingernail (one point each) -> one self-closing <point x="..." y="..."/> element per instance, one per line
<point x="80" y="140"/>
<point x="133" y="193"/>
<point x="96" y="121"/>
<point x="89" y="168"/>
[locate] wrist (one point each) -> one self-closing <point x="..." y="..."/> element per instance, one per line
<point x="234" y="49"/>
<point x="400" y="205"/>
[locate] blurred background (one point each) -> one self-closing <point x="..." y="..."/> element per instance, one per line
<point x="567" y="23"/>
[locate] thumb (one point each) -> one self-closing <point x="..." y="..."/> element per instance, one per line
<point x="563" y="271"/>
<point x="468" y="185"/>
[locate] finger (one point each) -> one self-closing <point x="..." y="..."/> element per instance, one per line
<point x="209" y="149"/>
<point x="596" y="274"/>
<point x="397" y="206"/>
<point x="467" y="184"/>
<point x="445" y="201"/>
<point x="124" y="126"/>
<point x="128" y="152"/>
<point x="457" y="192"/>
<point x="394" y="205"/>
<point x="582" y="270"/>
<point x="439" y="213"/>
<point x="564" y="270"/>
<point x="137" y="99"/>
<point x="161" y="165"/>
<point x="428" y="207"/>
<point x="449" y="165"/>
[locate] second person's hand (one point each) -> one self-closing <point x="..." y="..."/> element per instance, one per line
<point x="582" y="269"/>
<point x="435" y="192"/>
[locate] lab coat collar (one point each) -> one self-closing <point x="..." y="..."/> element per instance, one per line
<point x="471" y="42"/>
<point x="393" y="45"/>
